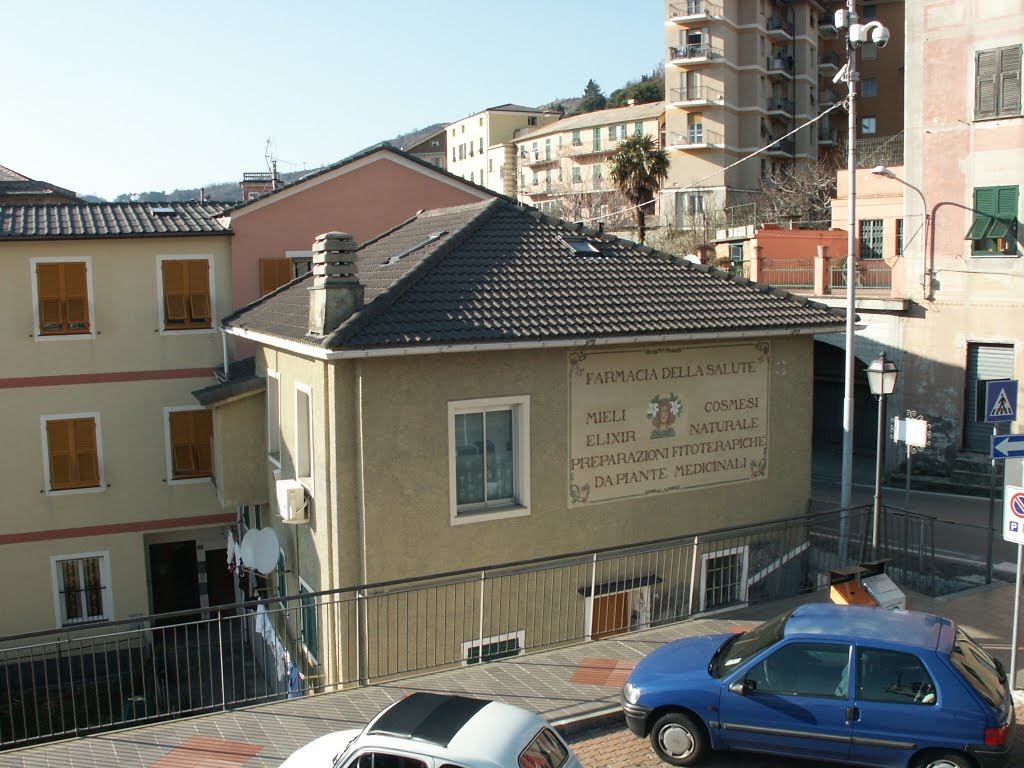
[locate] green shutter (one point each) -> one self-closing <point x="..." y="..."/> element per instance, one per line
<point x="985" y="200"/>
<point x="1006" y="202"/>
<point x="978" y="228"/>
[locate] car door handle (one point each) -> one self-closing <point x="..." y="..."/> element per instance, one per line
<point x="852" y="714"/>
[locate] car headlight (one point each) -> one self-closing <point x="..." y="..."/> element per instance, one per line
<point x="630" y="693"/>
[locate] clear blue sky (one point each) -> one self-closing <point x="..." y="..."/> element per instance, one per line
<point x="108" y="97"/>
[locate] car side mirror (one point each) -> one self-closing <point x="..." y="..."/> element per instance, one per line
<point x="740" y="687"/>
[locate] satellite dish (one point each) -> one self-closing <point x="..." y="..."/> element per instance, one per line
<point x="260" y="550"/>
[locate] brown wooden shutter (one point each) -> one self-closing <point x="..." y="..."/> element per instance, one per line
<point x="58" y="445"/>
<point x="48" y="285"/>
<point x="175" y="293"/>
<point x="182" y="456"/>
<point x="76" y="292"/>
<point x="199" y="292"/>
<point x="274" y="273"/>
<point x="86" y="456"/>
<point x="202" y="431"/>
<point x="1009" y="80"/>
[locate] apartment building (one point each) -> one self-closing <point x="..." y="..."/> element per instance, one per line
<point x="741" y="75"/>
<point x="481" y="147"/>
<point x="432" y="148"/>
<point x="563" y="166"/>
<point x="112" y="316"/>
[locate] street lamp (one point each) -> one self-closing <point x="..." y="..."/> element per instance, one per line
<point x="882" y="376"/>
<point x="881" y="170"/>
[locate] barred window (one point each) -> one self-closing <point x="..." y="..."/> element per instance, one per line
<point x="82" y="589"/>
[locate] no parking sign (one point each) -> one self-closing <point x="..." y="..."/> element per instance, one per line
<point x="1013" y="514"/>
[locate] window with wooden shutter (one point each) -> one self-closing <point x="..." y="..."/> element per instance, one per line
<point x="994" y="228"/>
<point x="274" y="273"/>
<point x="186" y="288"/>
<point x="997" y="82"/>
<point x="191" y="444"/>
<point x="73" y="454"/>
<point x="63" y="293"/>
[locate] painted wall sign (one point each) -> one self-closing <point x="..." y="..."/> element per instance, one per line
<point x="666" y="419"/>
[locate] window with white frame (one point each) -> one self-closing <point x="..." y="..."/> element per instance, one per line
<point x="189" y="435"/>
<point x="997" y="86"/>
<point x="274" y="416"/>
<point x="303" y="434"/>
<point x="492" y="648"/>
<point x="489" y="458"/>
<point x="186" y="293"/>
<point x="723" y="578"/>
<point x="62" y="297"/>
<point x="869" y="87"/>
<point x="81" y="588"/>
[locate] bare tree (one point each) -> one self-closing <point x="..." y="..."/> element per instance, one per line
<point x="801" y="194"/>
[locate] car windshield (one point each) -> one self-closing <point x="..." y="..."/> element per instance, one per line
<point x="983" y="672"/>
<point x="739" y="648"/>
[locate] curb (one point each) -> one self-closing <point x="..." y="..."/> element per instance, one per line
<point x="571" y="726"/>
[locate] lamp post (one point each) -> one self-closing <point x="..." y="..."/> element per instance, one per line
<point x="857" y="34"/>
<point x="881" y="170"/>
<point x="882" y="376"/>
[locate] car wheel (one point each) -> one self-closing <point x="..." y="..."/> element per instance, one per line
<point x="943" y="760"/>
<point x="678" y="739"/>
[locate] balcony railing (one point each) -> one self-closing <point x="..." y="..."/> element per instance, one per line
<point x="826" y="98"/>
<point x="779" y="24"/>
<point x="696" y="93"/>
<point x="885" y="150"/>
<point x="872" y="275"/>
<point x="829" y="61"/>
<point x="820" y="276"/>
<point x="693" y="51"/>
<point x="701" y="138"/>
<point x="826" y="134"/>
<point x="827" y="25"/>
<point x="693" y="9"/>
<point x="784" y="146"/>
<point x="780" y="104"/>
<point x="780" y="65"/>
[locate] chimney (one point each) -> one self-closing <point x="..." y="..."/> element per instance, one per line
<point x="336" y="294"/>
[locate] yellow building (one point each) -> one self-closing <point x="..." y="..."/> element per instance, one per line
<point x="109" y="507"/>
<point x="485" y="383"/>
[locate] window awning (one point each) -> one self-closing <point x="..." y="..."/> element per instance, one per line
<point x="621" y="585"/>
<point x="989" y="227"/>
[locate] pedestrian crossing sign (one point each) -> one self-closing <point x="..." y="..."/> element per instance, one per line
<point x="1000" y="400"/>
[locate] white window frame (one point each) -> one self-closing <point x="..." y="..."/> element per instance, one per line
<point x="37" y="332"/>
<point x="520" y="406"/>
<point x="519" y="635"/>
<point x="743" y="584"/>
<point x="305" y="479"/>
<point x="274" y="426"/>
<point x="162" y="329"/>
<point x="95" y="416"/>
<point x="169" y="448"/>
<point x="300" y="259"/>
<point x="107" y="592"/>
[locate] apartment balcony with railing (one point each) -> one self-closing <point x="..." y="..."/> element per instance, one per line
<point x="696" y="96"/>
<point x="778" y="26"/>
<point x="531" y="157"/>
<point x="693" y="12"/>
<point x="826" y="134"/>
<point x="827" y="26"/>
<point x="694" y="53"/>
<point x="780" y="66"/>
<point x="820" y="275"/>
<point x="782" y="147"/>
<point x="780" y="104"/>
<point x="696" y="137"/>
<point x="829" y="63"/>
<point x="826" y="98"/>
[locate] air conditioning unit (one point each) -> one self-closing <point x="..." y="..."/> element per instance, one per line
<point x="292" y="503"/>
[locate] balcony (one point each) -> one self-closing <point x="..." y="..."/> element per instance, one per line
<point x="695" y="53"/>
<point x="826" y="134"/>
<point x="829" y="63"/>
<point x="695" y="139"/>
<point x="779" y="27"/>
<point x="780" y="105"/>
<point x="696" y="96"/>
<point x="821" y="276"/>
<point x="531" y="157"/>
<point x="826" y="98"/>
<point x="693" y="12"/>
<point x="872" y="276"/>
<point x="588" y="147"/>
<point x="782" y="147"/>
<point x="780" y="66"/>
<point x="827" y="26"/>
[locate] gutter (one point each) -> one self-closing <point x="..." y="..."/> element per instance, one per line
<point x="319" y="353"/>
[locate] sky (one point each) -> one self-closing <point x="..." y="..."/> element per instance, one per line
<point x="114" y="97"/>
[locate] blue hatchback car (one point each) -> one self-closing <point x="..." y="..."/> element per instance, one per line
<point x="851" y="684"/>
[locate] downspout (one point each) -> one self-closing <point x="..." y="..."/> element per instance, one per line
<point x="224" y="349"/>
<point x="361" y="656"/>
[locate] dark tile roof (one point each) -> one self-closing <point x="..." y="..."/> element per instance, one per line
<point x="14" y="185"/>
<point x="516" y="108"/>
<point x="381" y="147"/>
<point x="107" y="220"/>
<point x="241" y="379"/>
<point x="498" y="272"/>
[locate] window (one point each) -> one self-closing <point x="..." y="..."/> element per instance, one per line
<point x="994" y="229"/>
<point x="72" y="456"/>
<point x="435" y="143"/>
<point x="185" y="285"/>
<point x="596" y="172"/>
<point x="868" y="125"/>
<point x="81" y="586"/>
<point x="190" y="436"/>
<point x="871" y="238"/>
<point x="612" y="133"/>
<point x="481" y="143"/>
<point x="723" y="578"/>
<point x="274" y="416"/>
<point x="545" y="751"/>
<point x="274" y="273"/>
<point x="493" y="648"/>
<point x="282" y="578"/>
<point x="531" y="120"/>
<point x="869" y="13"/>
<point x="997" y="82"/>
<point x="869" y="87"/>
<point x="899" y="237"/>
<point x="303" y="432"/>
<point x="62" y="297"/>
<point x="869" y="51"/>
<point x="639" y="129"/>
<point x="576" y="139"/>
<point x="387" y="760"/>
<point x="547" y="149"/>
<point x="893" y="677"/>
<point x="489" y="458"/>
<point x="695" y="130"/>
<point x="821" y="670"/>
<point x="453" y="153"/>
<point x="597" y="139"/>
<point x="978" y="668"/>
<point x="577" y="174"/>
<point x="694" y="203"/>
<point x="308" y="620"/>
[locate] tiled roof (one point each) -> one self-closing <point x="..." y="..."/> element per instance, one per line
<point x="13" y="184"/>
<point x="106" y="220"/>
<point x="381" y="147"/>
<point x="241" y="379"/>
<point x="498" y="272"/>
<point x="515" y="108"/>
<point x="594" y="119"/>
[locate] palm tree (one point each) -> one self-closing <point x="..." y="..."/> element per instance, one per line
<point x="638" y="168"/>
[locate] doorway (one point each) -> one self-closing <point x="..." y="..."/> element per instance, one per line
<point x="174" y="571"/>
<point x="219" y="581"/>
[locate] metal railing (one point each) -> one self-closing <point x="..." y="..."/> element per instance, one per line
<point x="887" y="150"/>
<point x="696" y="93"/>
<point x="693" y="51"/>
<point x="695" y="138"/>
<point x="830" y="59"/>
<point x="785" y="146"/>
<point x="780" y="104"/>
<point x="792" y="274"/>
<point x="871" y="275"/>
<point x="779" y="24"/>
<point x="86" y="679"/>
<point x="693" y="8"/>
<point x="782" y="64"/>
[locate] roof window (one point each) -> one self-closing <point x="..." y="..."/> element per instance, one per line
<point x="580" y="245"/>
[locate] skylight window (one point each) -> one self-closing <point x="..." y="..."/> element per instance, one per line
<point x="164" y="210"/>
<point x="426" y="241"/>
<point x="579" y="245"/>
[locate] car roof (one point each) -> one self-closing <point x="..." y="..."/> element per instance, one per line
<point x="454" y="728"/>
<point x="862" y="622"/>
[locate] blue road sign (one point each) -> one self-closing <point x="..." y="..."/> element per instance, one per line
<point x="1000" y="401"/>
<point x="1007" y="446"/>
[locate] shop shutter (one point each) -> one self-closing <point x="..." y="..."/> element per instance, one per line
<point x="984" y="362"/>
